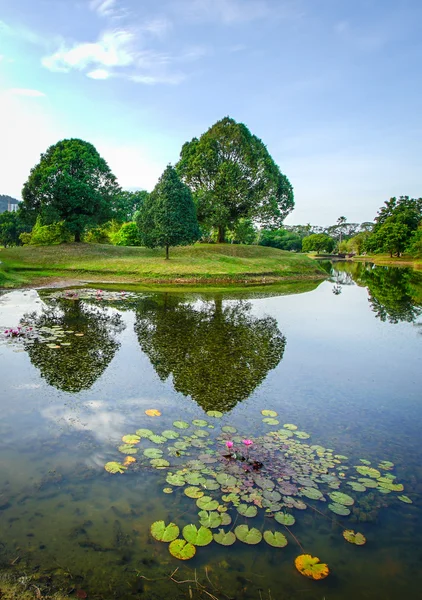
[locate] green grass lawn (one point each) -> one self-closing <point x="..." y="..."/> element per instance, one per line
<point x="201" y="263"/>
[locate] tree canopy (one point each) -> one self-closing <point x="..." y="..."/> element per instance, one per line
<point x="394" y="225"/>
<point x="320" y="242"/>
<point x="168" y="216"/>
<point x="71" y="183"/>
<point x="232" y="175"/>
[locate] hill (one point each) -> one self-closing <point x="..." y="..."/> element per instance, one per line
<point x="4" y="202"/>
<point x="198" y="264"/>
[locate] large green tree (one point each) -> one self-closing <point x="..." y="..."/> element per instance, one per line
<point x="395" y="223"/>
<point x="168" y="216"/>
<point x="232" y="175"/>
<point x="320" y="242"/>
<point x="71" y="183"/>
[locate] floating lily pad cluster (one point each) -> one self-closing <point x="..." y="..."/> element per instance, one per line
<point x="53" y="337"/>
<point x="96" y="296"/>
<point x="233" y="480"/>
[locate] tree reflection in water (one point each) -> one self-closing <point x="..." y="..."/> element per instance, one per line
<point x="216" y="353"/>
<point x="76" y="367"/>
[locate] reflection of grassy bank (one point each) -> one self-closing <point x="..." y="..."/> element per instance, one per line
<point x="221" y="264"/>
<point x="387" y="260"/>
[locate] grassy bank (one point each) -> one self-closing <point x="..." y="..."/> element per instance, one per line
<point x="200" y="264"/>
<point x="387" y="260"/>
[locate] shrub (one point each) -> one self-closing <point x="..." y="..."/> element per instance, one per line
<point x="128" y="235"/>
<point x="47" y="235"/>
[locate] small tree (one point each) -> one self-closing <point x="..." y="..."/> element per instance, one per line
<point x="320" y="242"/>
<point x="168" y="216"/>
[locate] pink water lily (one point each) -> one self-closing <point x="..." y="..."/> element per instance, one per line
<point x="247" y="442"/>
<point x="229" y="444"/>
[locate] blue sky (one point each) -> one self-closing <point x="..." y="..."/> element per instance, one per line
<point x="332" y="87"/>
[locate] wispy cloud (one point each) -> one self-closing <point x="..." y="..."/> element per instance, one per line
<point x="26" y="92"/>
<point x="105" y="8"/>
<point x="113" y="49"/>
<point x="227" y="11"/>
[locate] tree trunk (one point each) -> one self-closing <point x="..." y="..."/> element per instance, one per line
<point x="78" y="236"/>
<point x="167" y="252"/>
<point x="221" y="232"/>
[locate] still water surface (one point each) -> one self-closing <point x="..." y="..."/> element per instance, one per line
<point x="342" y="361"/>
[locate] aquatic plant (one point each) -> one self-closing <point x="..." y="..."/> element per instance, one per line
<point x="230" y="476"/>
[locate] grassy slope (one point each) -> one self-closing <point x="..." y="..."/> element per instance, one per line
<point x="202" y="263"/>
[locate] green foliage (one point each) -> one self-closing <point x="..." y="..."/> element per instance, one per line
<point x="281" y="238"/>
<point x="127" y="235"/>
<point x="10" y="229"/>
<point x="320" y="242"/>
<point x="126" y="204"/>
<point x="243" y="232"/>
<point x="46" y="235"/>
<point x="232" y="175"/>
<point x="102" y="234"/>
<point x="71" y="183"/>
<point x="394" y="225"/>
<point x="415" y="243"/>
<point x="168" y="217"/>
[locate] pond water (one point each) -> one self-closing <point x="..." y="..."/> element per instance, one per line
<point x="342" y="361"/>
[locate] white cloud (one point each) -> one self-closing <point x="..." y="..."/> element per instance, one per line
<point x="105" y="8"/>
<point x="98" y="74"/>
<point x="26" y="92"/>
<point x="113" y="49"/>
<point x="173" y="79"/>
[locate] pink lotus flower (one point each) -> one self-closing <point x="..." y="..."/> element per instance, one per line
<point x="247" y="442"/>
<point x="229" y="444"/>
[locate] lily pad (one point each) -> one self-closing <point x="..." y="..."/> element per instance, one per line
<point x="131" y="439"/>
<point x="153" y="412"/>
<point x="369" y="483"/>
<point x="340" y="498"/>
<point x="226" y="480"/>
<point x="157" y="439"/>
<point x="302" y="435"/>
<point x="170" y="434"/>
<point x="228" y="429"/>
<point x="207" y="503"/>
<point x="128" y="449"/>
<point x="182" y="550"/>
<point x="270" y="421"/>
<point x="225" y="538"/>
<point x="210" y="484"/>
<point x="144" y="432"/>
<point x="312" y="493"/>
<point x="194" y="478"/>
<point x="215" y="413"/>
<point x="405" y="499"/>
<point x="199" y="423"/>
<point x="211" y="519"/>
<point x="197" y="537"/>
<point x="153" y="452"/>
<point x="164" y="533"/>
<point x="339" y="509"/>
<point x="284" y="518"/>
<point x="309" y="566"/>
<point x="248" y="536"/>
<point x="193" y="492"/>
<point x="114" y="467"/>
<point x="269" y="413"/>
<point x="176" y="480"/>
<point x="275" y="538"/>
<point x="168" y="490"/>
<point x="357" y="486"/>
<point x="290" y="426"/>
<point x="180" y="424"/>
<point x="160" y="463"/>
<point x="247" y="511"/>
<point x="354" y="538"/>
<point x="368" y="471"/>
